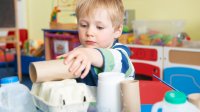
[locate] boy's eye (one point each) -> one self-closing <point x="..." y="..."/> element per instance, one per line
<point x="100" y="27"/>
<point x="83" y="25"/>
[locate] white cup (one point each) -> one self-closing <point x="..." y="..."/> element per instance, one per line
<point x="108" y="91"/>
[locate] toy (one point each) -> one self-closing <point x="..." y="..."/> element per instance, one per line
<point x="126" y="38"/>
<point x="158" y="38"/>
<point x="159" y="33"/>
<point x="63" y="15"/>
<point x="54" y="14"/>
<point x="33" y="47"/>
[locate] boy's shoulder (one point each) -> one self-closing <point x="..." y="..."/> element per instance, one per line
<point x="117" y="44"/>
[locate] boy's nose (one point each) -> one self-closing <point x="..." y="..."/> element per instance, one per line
<point x="90" y="31"/>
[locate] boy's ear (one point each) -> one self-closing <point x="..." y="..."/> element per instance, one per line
<point x="118" y="31"/>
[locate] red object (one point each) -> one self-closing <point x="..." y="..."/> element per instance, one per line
<point x="144" y="54"/>
<point x="152" y="91"/>
<point x="23" y="36"/>
<point x="146" y="69"/>
<point x="9" y="57"/>
<point x="144" y="59"/>
<point x="188" y="38"/>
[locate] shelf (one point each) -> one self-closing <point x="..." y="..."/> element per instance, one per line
<point x="8" y="29"/>
<point x="62" y="37"/>
<point x="10" y="23"/>
<point x="60" y="30"/>
<point x="8" y="39"/>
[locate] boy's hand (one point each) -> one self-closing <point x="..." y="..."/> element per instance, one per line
<point x="80" y="62"/>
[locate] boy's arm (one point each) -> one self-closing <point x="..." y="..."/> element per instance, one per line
<point x="116" y="59"/>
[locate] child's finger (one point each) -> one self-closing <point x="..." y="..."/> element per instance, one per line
<point x="86" y="71"/>
<point x="69" y="65"/>
<point x="75" y="69"/>
<point x="78" y="62"/>
<point x="71" y="55"/>
<point x="81" y="68"/>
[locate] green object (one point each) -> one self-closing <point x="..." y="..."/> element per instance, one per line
<point x="167" y="38"/>
<point x="175" y="97"/>
<point x="155" y="36"/>
<point x="26" y="47"/>
<point x="93" y="103"/>
<point x="125" y="29"/>
<point x="61" y="58"/>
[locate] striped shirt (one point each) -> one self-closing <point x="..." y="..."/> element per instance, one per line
<point x="116" y="59"/>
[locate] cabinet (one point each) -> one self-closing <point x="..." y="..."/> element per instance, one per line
<point x="178" y="66"/>
<point x="147" y="60"/>
<point x="58" y="42"/>
<point x="9" y="22"/>
<point x="182" y="69"/>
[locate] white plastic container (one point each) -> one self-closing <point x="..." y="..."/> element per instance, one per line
<point x="108" y="92"/>
<point x="15" y="97"/>
<point x="8" y="81"/>
<point x="174" y="101"/>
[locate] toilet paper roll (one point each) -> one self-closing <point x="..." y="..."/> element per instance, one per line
<point x="43" y="71"/>
<point x="194" y="98"/>
<point x="130" y="96"/>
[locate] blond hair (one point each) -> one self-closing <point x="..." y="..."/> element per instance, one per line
<point x="115" y="9"/>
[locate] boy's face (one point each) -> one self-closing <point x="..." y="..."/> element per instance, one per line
<point x="97" y="31"/>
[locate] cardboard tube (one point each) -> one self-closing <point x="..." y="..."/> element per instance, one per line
<point x="43" y="71"/>
<point x="194" y="98"/>
<point x="130" y="94"/>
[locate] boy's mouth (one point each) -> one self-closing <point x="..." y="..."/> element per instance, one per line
<point x="90" y="42"/>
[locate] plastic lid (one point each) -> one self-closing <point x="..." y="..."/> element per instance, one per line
<point x="8" y="80"/>
<point x="175" y="97"/>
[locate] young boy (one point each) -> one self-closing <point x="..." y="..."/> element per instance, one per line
<point x="100" y="23"/>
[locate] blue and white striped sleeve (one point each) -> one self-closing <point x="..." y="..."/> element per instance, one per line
<point x="116" y="59"/>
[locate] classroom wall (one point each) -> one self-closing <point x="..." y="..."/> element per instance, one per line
<point x="38" y="17"/>
<point x="187" y="10"/>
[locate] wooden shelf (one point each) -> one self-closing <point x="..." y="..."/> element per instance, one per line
<point x="8" y="29"/>
<point x="7" y="24"/>
<point x="8" y="39"/>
